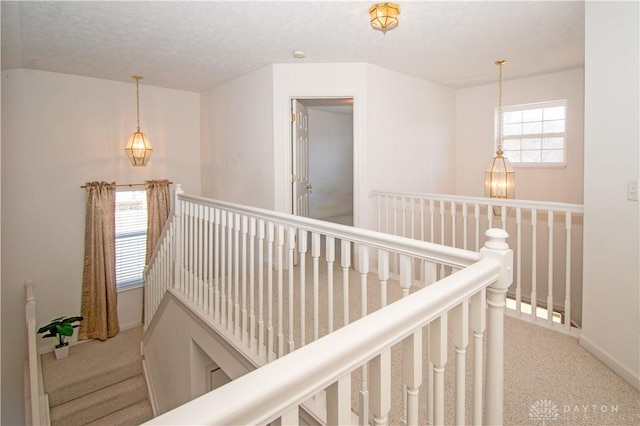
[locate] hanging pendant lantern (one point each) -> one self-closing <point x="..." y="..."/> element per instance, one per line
<point x="138" y="148"/>
<point x="500" y="178"/>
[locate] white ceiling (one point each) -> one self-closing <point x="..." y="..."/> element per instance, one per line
<point x="196" y="45"/>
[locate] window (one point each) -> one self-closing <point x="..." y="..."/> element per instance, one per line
<point x="131" y="237"/>
<point x="535" y="134"/>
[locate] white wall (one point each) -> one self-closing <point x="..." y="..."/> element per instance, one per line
<point x="309" y="81"/>
<point x="237" y="140"/>
<point x="411" y="138"/>
<point x="330" y="164"/>
<point x="411" y="133"/>
<point x="475" y="109"/>
<point x="611" y="323"/>
<point x="403" y="135"/>
<point x="176" y="348"/>
<point x="60" y="131"/>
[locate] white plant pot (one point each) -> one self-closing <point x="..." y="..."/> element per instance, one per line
<point x="63" y="351"/>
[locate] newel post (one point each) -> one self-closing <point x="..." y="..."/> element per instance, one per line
<point x="496" y="248"/>
<point x="177" y="237"/>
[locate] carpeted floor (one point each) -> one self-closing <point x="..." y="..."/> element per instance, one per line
<point x="549" y="378"/>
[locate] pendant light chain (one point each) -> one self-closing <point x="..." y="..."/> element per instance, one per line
<point x="138" y="78"/>
<point x="500" y="63"/>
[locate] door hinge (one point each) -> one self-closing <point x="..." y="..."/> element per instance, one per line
<point x="293" y="178"/>
<point x="293" y="117"/>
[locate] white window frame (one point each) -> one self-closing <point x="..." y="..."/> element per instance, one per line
<point x="133" y="240"/>
<point x="541" y="135"/>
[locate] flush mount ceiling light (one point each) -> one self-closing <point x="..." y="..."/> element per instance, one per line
<point x="499" y="179"/>
<point x="384" y="16"/>
<point x="138" y="148"/>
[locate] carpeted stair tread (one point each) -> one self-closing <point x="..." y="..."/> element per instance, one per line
<point x="91" y="366"/>
<point x="100" y="403"/>
<point x="132" y="415"/>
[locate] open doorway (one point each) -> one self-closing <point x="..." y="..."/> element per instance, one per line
<point x="322" y="159"/>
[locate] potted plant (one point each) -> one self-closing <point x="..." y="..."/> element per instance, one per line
<point x="61" y="328"/>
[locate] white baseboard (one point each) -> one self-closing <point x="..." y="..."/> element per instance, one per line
<point x="150" y="392"/>
<point x="610" y="361"/>
<point x="129" y="326"/>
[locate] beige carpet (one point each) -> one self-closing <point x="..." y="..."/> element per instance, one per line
<point x="99" y="382"/>
<point x="549" y="377"/>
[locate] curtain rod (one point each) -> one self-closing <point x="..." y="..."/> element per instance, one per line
<point x="127" y="184"/>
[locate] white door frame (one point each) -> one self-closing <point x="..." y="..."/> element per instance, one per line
<point x="358" y="147"/>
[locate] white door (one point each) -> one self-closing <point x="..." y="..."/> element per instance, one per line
<point x="300" y="158"/>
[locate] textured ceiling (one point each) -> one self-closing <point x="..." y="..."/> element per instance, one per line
<point x="196" y="45"/>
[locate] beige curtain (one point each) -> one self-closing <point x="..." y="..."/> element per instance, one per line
<point x="99" y="293"/>
<point x="158" y="208"/>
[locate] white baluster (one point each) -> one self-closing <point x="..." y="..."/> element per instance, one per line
<point x="230" y="273"/>
<point x="363" y="268"/>
<point x="289" y="418"/>
<point x="339" y="402"/>
<point x="431" y="221"/>
<point x="270" y="268"/>
<point x="261" y="238"/>
<point x="290" y="249"/>
<point x="379" y="209"/>
<point x="223" y="268"/>
<point x="331" y="257"/>
<point x="460" y="319"/>
<point x="199" y="257"/>
<point x="518" y="261"/>
<point x="217" y="277"/>
<point x="430" y="272"/>
<point x="302" y="251"/>
<point x="422" y="236"/>
<point x="190" y="247"/>
<point x="442" y="212"/>
<point x="534" y="264"/>
<point x="345" y="257"/>
<point x="403" y="212"/>
<point x="184" y="236"/>
<point x="465" y="216"/>
<point x="550" y="271"/>
<point x="412" y="212"/>
<point x="383" y="275"/>
<point x="244" y="327"/>
<point x="412" y="374"/>
<point x="252" y="277"/>
<point x="567" y="279"/>
<point x="236" y="274"/>
<point x="454" y="213"/>
<point x="405" y="284"/>
<point x="279" y="253"/>
<point x="477" y="315"/>
<point x="490" y="216"/>
<point x="177" y="238"/>
<point x="476" y="210"/>
<point x="210" y="261"/>
<point x="438" y="349"/>
<point x="380" y="377"/>
<point x="315" y="254"/>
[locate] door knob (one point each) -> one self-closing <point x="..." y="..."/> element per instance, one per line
<point x="309" y="187"/>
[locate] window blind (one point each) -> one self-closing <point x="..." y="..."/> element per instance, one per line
<point x="131" y="236"/>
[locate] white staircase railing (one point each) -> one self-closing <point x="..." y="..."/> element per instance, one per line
<point x="546" y="238"/>
<point x="311" y="302"/>
<point x="36" y="401"/>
